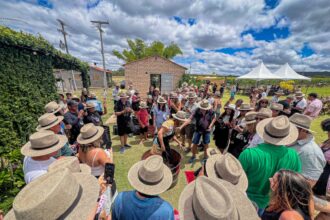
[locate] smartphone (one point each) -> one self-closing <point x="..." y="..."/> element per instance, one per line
<point x="109" y="172"/>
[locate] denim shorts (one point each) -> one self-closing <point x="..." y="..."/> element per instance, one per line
<point x="197" y="137"/>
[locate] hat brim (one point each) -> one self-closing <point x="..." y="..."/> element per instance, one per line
<point x="177" y="118"/>
<point x="288" y="140"/>
<point x="159" y="102"/>
<point x="155" y="189"/>
<point x="27" y="149"/>
<point x="99" y="134"/>
<point x="208" y="108"/>
<point x="40" y="128"/>
<point x="57" y="110"/>
<point x="244" y="207"/>
<point x="87" y="201"/>
<point x="242" y="183"/>
<point x="298" y="126"/>
<point x="245" y="109"/>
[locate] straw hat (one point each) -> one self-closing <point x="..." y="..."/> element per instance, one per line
<point x="299" y="94"/>
<point x="245" y="107"/>
<point x="301" y="121"/>
<point x="52" y="107"/>
<point x="180" y="115"/>
<point x="263" y="99"/>
<point x="48" y="120"/>
<point x="161" y="100"/>
<point x="250" y="118"/>
<point x="231" y="106"/>
<point x="264" y="113"/>
<point x="277" y="131"/>
<point x="214" y="199"/>
<point x="56" y="195"/>
<point x="42" y="143"/>
<point x="212" y="151"/>
<point x="279" y="92"/>
<point x="204" y="105"/>
<point x="228" y="168"/>
<point x="90" y="105"/>
<point x="71" y="163"/>
<point x="192" y="95"/>
<point x="276" y="106"/>
<point x="156" y="89"/>
<point x="89" y="133"/>
<point x="143" y="105"/>
<point x="291" y="96"/>
<point x="76" y="98"/>
<point x="150" y="176"/>
<point x="173" y="95"/>
<point x="184" y="84"/>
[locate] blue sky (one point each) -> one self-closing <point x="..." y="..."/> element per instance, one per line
<point x="228" y="37"/>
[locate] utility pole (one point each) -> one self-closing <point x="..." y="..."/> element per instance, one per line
<point x="99" y="27"/>
<point x="66" y="48"/>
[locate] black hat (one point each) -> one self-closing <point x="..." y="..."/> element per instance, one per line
<point x="325" y="124"/>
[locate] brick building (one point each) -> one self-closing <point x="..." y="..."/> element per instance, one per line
<point x="157" y="71"/>
<point x="96" y="76"/>
<point x="67" y="80"/>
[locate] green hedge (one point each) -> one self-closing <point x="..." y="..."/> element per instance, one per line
<point x="27" y="83"/>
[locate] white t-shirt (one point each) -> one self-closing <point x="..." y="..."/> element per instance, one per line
<point x="302" y="104"/>
<point x="255" y="141"/>
<point x="34" y="168"/>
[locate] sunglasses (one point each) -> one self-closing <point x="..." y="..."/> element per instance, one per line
<point x="264" y="103"/>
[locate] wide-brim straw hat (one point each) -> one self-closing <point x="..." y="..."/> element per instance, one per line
<point x="250" y="118"/>
<point x="213" y="199"/>
<point x="228" y="168"/>
<point x="71" y="163"/>
<point x="150" y="176"/>
<point x="277" y="131"/>
<point x="43" y="143"/>
<point x="89" y="133"/>
<point x="90" y="105"/>
<point x="161" y="100"/>
<point x="48" y="120"/>
<point x="263" y="99"/>
<point x="204" y="105"/>
<point x="279" y="92"/>
<point x="143" y="105"/>
<point x="245" y="107"/>
<point x="180" y="115"/>
<point x="264" y="113"/>
<point x="57" y="195"/>
<point x="302" y="121"/>
<point x="230" y="106"/>
<point x="299" y="94"/>
<point x="52" y="107"/>
<point x="192" y="95"/>
<point x="276" y="107"/>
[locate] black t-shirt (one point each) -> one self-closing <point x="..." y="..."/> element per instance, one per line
<point x="203" y="121"/>
<point x="120" y="106"/>
<point x="93" y="117"/>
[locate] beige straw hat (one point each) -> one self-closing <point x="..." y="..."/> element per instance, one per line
<point x="245" y="107"/>
<point x="250" y="118"/>
<point x="231" y="106"/>
<point x="52" y="107"/>
<point x="70" y="162"/>
<point x="192" y="95"/>
<point x="180" y="115"/>
<point x="276" y="106"/>
<point x="214" y="199"/>
<point x="279" y="92"/>
<point x="150" y="176"/>
<point x="48" y="120"/>
<point x="56" y="195"/>
<point x="161" y="100"/>
<point x="143" y="105"/>
<point x="42" y="143"/>
<point x="89" y="133"/>
<point x="264" y="113"/>
<point x="90" y="105"/>
<point x="204" y="105"/>
<point x="299" y="94"/>
<point x="302" y="121"/>
<point x="228" y="168"/>
<point x="277" y="131"/>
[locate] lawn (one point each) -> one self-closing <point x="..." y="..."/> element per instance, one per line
<point x="125" y="161"/>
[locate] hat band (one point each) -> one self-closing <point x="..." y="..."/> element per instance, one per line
<point x="73" y="205"/>
<point x="275" y="136"/>
<point x="150" y="182"/>
<point x="90" y="136"/>
<point x="300" y="125"/>
<point x="43" y="148"/>
<point x="49" y="123"/>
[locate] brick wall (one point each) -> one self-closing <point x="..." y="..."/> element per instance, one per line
<point x="67" y="82"/>
<point x="139" y="72"/>
<point x="96" y="78"/>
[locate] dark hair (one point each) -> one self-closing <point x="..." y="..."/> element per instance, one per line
<point x="163" y="109"/>
<point x="292" y="192"/>
<point x="313" y="94"/>
<point x="122" y="86"/>
<point x="231" y="115"/>
<point x="325" y="124"/>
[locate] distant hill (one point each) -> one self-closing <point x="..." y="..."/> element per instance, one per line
<point x="314" y="74"/>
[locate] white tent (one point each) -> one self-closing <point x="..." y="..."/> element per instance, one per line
<point x="259" y="73"/>
<point x="285" y="72"/>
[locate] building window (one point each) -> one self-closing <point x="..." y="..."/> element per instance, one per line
<point x="155" y="80"/>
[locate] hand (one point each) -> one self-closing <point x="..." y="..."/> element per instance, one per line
<point x="81" y="113"/>
<point x="162" y="148"/>
<point x="103" y="184"/>
<point x="208" y="129"/>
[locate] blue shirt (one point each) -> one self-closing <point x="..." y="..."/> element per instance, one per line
<point x="97" y="104"/>
<point x="128" y="206"/>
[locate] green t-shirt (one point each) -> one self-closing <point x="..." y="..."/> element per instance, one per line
<point x="261" y="163"/>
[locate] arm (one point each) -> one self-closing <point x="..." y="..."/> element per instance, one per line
<point x="321" y="205"/>
<point x="139" y="120"/>
<point x="161" y="133"/>
<point x="290" y="215"/>
<point x="185" y="124"/>
<point x="103" y="158"/>
<point x="212" y="123"/>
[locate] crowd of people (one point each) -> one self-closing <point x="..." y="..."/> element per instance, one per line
<point x="265" y="163"/>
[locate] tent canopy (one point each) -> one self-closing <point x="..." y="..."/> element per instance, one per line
<point x="286" y="73"/>
<point x="259" y="73"/>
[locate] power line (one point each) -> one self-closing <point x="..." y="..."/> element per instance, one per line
<point x="99" y="27"/>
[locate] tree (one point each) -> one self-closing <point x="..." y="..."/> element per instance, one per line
<point x="138" y="49"/>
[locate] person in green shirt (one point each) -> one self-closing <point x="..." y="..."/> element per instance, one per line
<point x="262" y="162"/>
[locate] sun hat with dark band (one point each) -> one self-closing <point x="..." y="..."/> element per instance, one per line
<point x="161" y="100"/>
<point x="42" y="143"/>
<point x="48" y="120"/>
<point x="71" y="163"/>
<point x="204" y="105"/>
<point x="301" y="121"/>
<point x="180" y="115"/>
<point x="52" y="107"/>
<point x="276" y="106"/>
<point x="264" y="113"/>
<point x="150" y="176"/>
<point x="56" y="195"/>
<point x="230" y="106"/>
<point x="143" y="105"/>
<point x="277" y="131"/>
<point x="250" y="118"/>
<point x="245" y="107"/>
<point x="279" y="92"/>
<point x="214" y="199"/>
<point x="228" y="168"/>
<point x="89" y="133"/>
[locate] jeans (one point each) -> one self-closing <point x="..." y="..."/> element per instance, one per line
<point x="197" y="136"/>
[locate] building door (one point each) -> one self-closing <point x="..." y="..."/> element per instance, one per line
<point x="167" y="83"/>
<point x="155" y="81"/>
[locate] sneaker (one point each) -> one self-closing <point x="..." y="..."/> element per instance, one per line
<point x="127" y="146"/>
<point x="192" y="159"/>
<point x="122" y="150"/>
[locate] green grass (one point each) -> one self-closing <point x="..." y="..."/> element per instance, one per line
<point x="125" y="161"/>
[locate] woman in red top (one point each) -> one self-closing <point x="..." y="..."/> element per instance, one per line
<point x="143" y="118"/>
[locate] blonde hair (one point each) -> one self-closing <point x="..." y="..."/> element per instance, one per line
<point x="95" y="144"/>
